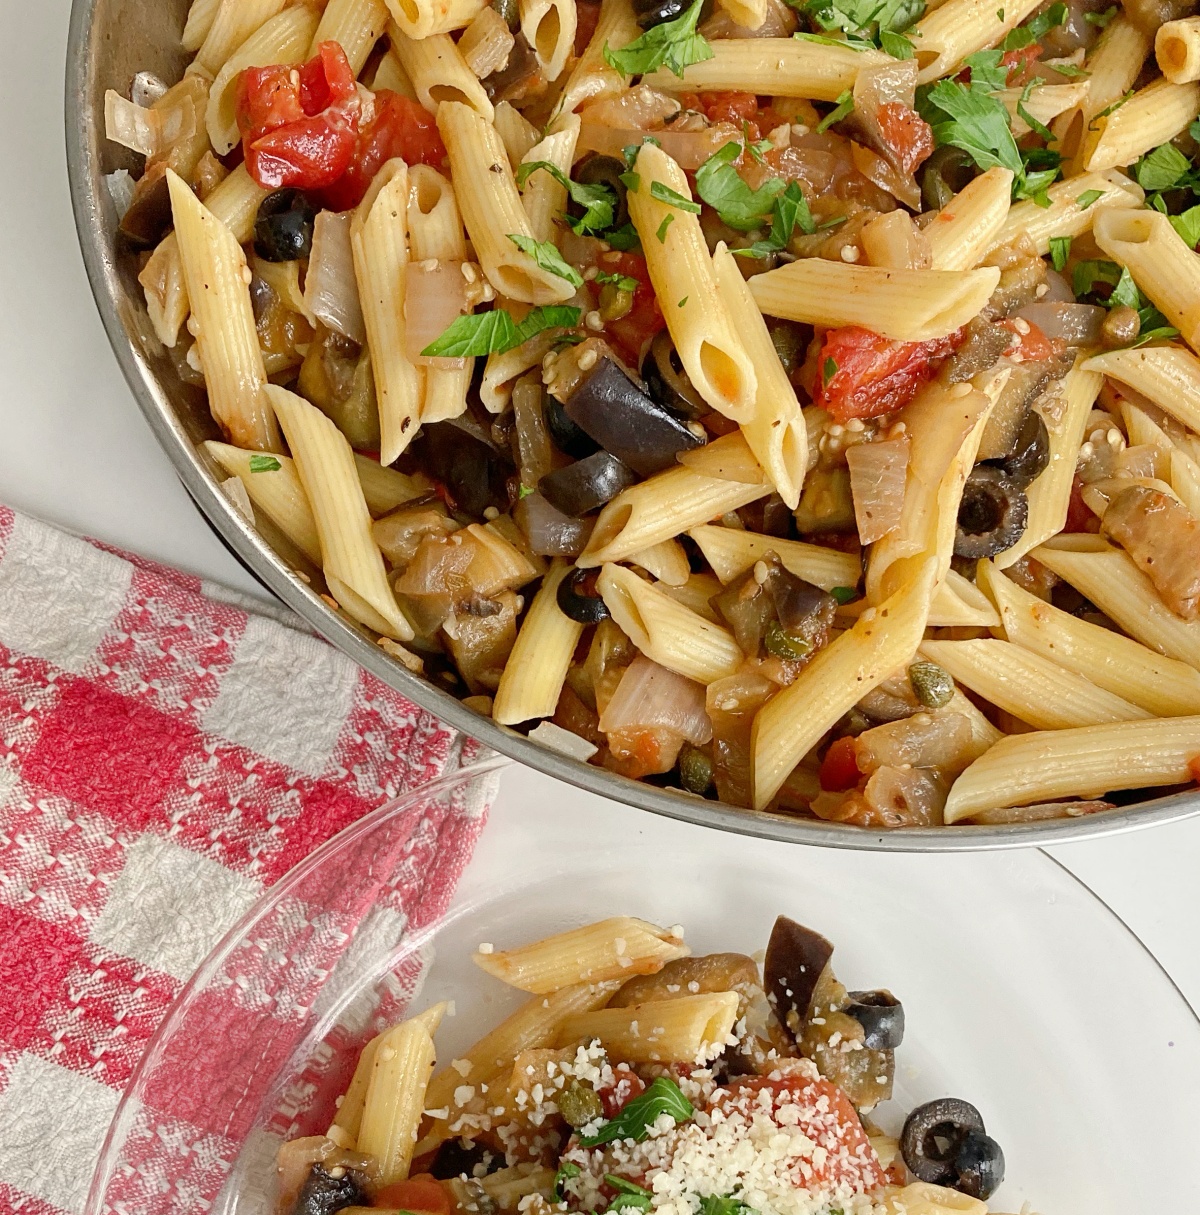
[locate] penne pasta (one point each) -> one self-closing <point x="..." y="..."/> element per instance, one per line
<point x="688" y="1029"/>
<point x="215" y="271"/>
<point x="592" y="78"/>
<point x="232" y="23"/>
<point x="1086" y="762"/>
<point x="971" y="222"/>
<point x="424" y="18"/>
<point x="909" y="305"/>
<point x="200" y="18"/>
<point x="944" y="37"/>
<point x="1177" y="50"/>
<point x="1167" y="375"/>
<point x="665" y="631"/>
<point x="516" y="132"/>
<point x="1164" y="686"/>
<point x="439" y="73"/>
<point x="348" y="1119"/>
<point x="1043" y="104"/>
<point x="749" y="14"/>
<point x="665" y="561"/>
<point x="681" y="269"/>
<point x="537" y="667"/>
<point x="1066" y="215"/>
<point x="732" y="551"/>
<point x="798" y="68"/>
<point x="549" y="28"/>
<point x="351" y="559"/>
<point x="1028" y="685"/>
<point x="1152" y="116"/>
<point x="792" y="722"/>
<point x="543" y="197"/>
<point x="356" y="26"/>
<point x="596" y="953"/>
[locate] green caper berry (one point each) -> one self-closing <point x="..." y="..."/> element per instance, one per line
<point x="933" y="686"/>
<point x="508" y="12"/>
<point x="614" y="302"/>
<point x="579" y="1104"/>
<point x="782" y="644"/>
<point x="695" y="769"/>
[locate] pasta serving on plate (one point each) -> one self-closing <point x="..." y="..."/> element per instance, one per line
<point x="640" y="1078"/>
<point x="795" y="404"/>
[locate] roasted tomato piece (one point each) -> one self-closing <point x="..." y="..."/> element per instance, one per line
<point x="631" y="332"/>
<point x="1020" y="64"/>
<point x="616" y="1096"/>
<point x="864" y="374"/>
<point x="908" y="135"/>
<point x="423" y="1194"/>
<point x="299" y="125"/>
<point x="1030" y="344"/>
<point x="839" y="768"/>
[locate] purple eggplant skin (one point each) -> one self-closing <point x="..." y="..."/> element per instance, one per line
<point x="627" y="423"/>
<point x="586" y="485"/>
<point x="796" y="956"/>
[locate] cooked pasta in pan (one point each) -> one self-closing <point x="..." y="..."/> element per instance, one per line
<point x="642" y="1078"/>
<point x="793" y="404"/>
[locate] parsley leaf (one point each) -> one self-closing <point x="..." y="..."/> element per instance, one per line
<point x="844" y="594"/>
<point x="598" y="201"/>
<point x="1088" y="197"/>
<point x="895" y="45"/>
<point x="1108" y="109"/>
<point x="789" y="212"/>
<point x="1125" y="291"/>
<point x="828" y="370"/>
<point x="1194" y="130"/>
<point x="668" y="220"/>
<point x="1036" y="30"/>
<point x="1101" y="20"/>
<point x="673" y="44"/>
<point x="722" y="187"/>
<point x="1187" y="225"/>
<point x="853" y="44"/>
<point x="1032" y="123"/>
<point x="865" y="22"/>
<point x="495" y="332"/>
<point x="264" y="464"/>
<point x="1162" y="168"/>
<point x="728" y="1205"/>
<point x="624" y="238"/>
<point x="1070" y="70"/>
<point x="547" y="257"/>
<point x="673" y="198"/>
<point x="1089" y="273"/>
<point x="639" y="1115"/>
<point x="630" y="151"/>
<point x="567" y="1169"/>
<point x="622" y="282"/>
<point x="843" y="107"/>
<point x="623" y="1186"/>
<point x="973" y="120"/>
<point x="987" y="72"/>
<point x="1060" y="250"/>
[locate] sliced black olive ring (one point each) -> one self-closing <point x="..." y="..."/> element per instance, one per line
<point x="1031" y="453"/>
<point x="567" y="435"/>
<point x="882" y="1017"/>
<point x="577" y="598"/>
<point x="600" y="170"/>
<point x="944" y="174"/>
<point x="666" y="380"/>
<point x="992" y="514"/>
<point x="943" y="1143"/>
<point x="283" y="230"/>
<point x="655" y="12"/>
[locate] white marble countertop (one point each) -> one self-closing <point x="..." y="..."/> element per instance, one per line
<point x="75" y="450"/>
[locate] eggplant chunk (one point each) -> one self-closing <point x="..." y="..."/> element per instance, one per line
<point x="323" y="1193"/>
<point x="796" y="957"/>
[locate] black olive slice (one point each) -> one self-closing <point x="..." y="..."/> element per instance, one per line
<point x="932" y="1136"/>
<point x="1031" y="452"/>
<point x="457" y="1157"/>
<point x="567" y="436"/>
<point x="323" y="1193"/>
<point x="283" y="231"/>
<point x="882" y="1017"/>
<point x="796" y="956"/>
<point x="611" y="408"/>
<point x="600" y="170"/>
<point x="586" y="485"/>
<point x="666" y="380"/>
<point x="577" y="598"/>
<point x="944" y="174"/>
<point x="992" y="514"/>
<point x="978" y="1165"/>
<point x="656" y="12"/>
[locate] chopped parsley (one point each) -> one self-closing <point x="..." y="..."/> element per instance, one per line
<point x="970" y="118"/>
<point x="843" y="107"/>
<point x="629" y="1197"/>
<point x="639" y="1115"/>
<point x="567" y="1169"/>
<point x="673" y="44"/>
<point x="844" y="594"/>
<point x="865" y="23"/>
<point x="622" y="282"/>
<point x="624" y="238"/>
<point x="1101" y="20"/>
<point x="987" y="71"/>
<point x="1032" y="123"/>
<point x="1060" y="250"/>
<point x="1109" y="109"/>
<point x="789" y="212"/>
<point x="668" y="220"/>
<point x="1036" y="30"/>
<point x="895" y="45"/>
<point x="1124" y="293"/>
<point x="1188" y="226"/>
<point x="264" y="464"/>
<point x="721" y="186"/>
<point x="851" y="44"/>
<point x="631" y="180"/>
<point x="1164" y="167"/>
<point x="664" y="194"/>
<point x="545" y="253"/>
<point x="682" y="302"/>
<point x="716" y="1204"/>
<point x="495" y="332"/>
<point x="1088" y="197"/>
<point x="828" y="370"/>
<point x="598" y="201"/>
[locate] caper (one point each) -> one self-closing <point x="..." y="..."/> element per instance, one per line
<point x="509" y="13"/>
<point x="579" y="1104"/>
<point x="783" y="644"/>
<point x="695" y="769"/>
<point x="932" y="686"/>
<point x="1121" y="327"/>
<point x="615" y="302"/>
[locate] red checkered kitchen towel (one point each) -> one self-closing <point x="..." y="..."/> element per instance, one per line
<point x="165" y="756"/>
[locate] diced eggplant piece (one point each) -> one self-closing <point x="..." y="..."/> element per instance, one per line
<point x="586" y="485"/>
<point x="796" y="958"/>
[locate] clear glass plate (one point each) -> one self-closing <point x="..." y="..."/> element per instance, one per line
<point x="1023" y="992"/>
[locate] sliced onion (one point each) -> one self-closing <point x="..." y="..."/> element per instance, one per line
<point x="649" y="696"/>
<point x="1076" y="324"/>
<point x="120" y="187"/>
<point x="689" y="148"/>
<point x="146" y="89"/>
<point x="641" y="108"/>
<point x="551" y="533"/>
<point x="435" y="296"/>
<point x="877" y="475"/>
<point x="893" y="82"/>
<point x="779" y="22"/>
<point x="330" y="288"/>
<point x="1058" y="290"/>
<point x="143" y="130"/>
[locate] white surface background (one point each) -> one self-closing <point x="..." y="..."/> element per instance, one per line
<point x="74" y="450"/>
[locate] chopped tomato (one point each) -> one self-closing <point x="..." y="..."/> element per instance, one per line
<point x="822" y="1112"/>
<point x="908" y="135"/>
<point x="401" y="127"/>
<point x="1080" y="517"/>
<point x="839" y="768"/>
<point x="422" y="1193"/>
<point x="1020" y="65"/>
<point x="632" y="332"/>
<point x="299" y="125"/>
<point x="737" y="108"/>
<point x="587" y="17"/>
<point x="616" y="1096"/>
<point x="1194" y="768"/>
<point x="1030" y="344"/>
<point x="863" y="374"/>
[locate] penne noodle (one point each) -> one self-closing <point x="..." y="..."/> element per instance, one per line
<point x="909" y="305"/>
<point x="712" y="353"/>
<point x="1065" y="216"/>
<point x="516" y="132"/>
<point x="816" y="71"/>
<point x="355" y="25"/>
<point x="1152" y="116"/>
<point x="1114" y="63"/>
<point x="1029" y="685"/>
<point x="379" y="240"/>
<point x="233" y="22"/>
<point x="537" y="667"/>
<point x="792" y="722"/>
<point x="1085" y="762"/>
<point x="749" y="14"/>
<point x="971" y="222"/>
<point x="351" y="559"/>
<point x="1161" y="264"/>
<point x="591" y="78"/>
<point x="1164" y="686"/>
<point x="423" y="18"/>
<point x="1177" y="50"/>
<point x="596" y="953"/>
<point x="217" y="278"/>
<point x="543" y="197"/>
<point x="665" y="561"/>
<point x="549" y="28"/>
<point x="200" y="18"/>
<point x="1168" y="375"/>
<point x="688" y="1029"/>
<point x="1043" y="105"/>
<point x="390" y="74"/>
<point x="697" y="593"/>
<point x="775" y="430"/>
<point x="348" y="1119"/>
<point x="439" y="73"/>
<point x="670" y="503"/>
<point x="944" y="37"/>
<point x="502" y="370"/>
<point x="1110" y="579"/>
<point x="665" y="631"/>
<point x="731" y="551"/>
